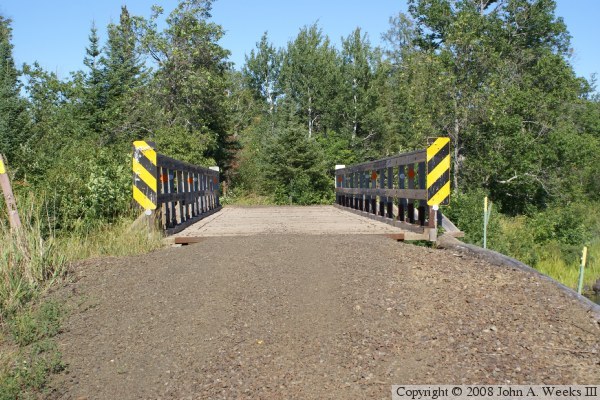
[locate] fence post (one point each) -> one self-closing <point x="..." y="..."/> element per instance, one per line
<point x="581" y="270"/>
<point x="11" y="203"/>
<point x="338" y="183"/>
<point x="216" y="187"/>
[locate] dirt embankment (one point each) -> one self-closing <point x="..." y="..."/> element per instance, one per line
<point x="290" y="316"/>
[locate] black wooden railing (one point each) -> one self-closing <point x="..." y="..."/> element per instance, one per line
<point x="187" y="193"/>
<point x="392" y="190"/>
<point x="175" y="192"/>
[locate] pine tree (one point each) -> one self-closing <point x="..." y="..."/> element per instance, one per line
<point x="123" y="75"/>
<point x="94" y="92"/>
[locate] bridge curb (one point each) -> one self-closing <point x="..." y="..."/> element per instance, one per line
<point x="501" y="260"/>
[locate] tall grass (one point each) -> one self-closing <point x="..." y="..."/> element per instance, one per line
<point x="30" y="260"/>
<point x="554" y="265"/>
<point x="35" y="256"/>
<point x="550" y="241"/>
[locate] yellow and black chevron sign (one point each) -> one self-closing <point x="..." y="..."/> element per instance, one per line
<point x="144" y="175"/>
<point x="438" y="172"/>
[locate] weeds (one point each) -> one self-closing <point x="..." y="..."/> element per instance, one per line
<point x="32" y="259"/>
<point x="550" y="241"/>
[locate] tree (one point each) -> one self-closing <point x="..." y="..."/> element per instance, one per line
<point x="262" y="70"/>
<point x="359" y="67"/>
<point x="310" y="78"/>
<point x="123" y="77"/>
<point x="294" y="168"/>
<point x="13" y="116"/>
<point x="493" y="76"/>
<point x="190" y="84"/>
<point x="93" y="85"/>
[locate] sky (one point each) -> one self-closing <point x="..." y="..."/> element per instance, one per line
<point x="55" y="33"/>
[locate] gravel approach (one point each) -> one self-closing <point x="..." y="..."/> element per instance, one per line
<point x="313" y="317"/>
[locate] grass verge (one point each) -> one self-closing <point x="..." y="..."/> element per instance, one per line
<point x="32" y="260"/>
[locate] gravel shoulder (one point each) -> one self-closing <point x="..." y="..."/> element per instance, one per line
<point x="313" y="317"/>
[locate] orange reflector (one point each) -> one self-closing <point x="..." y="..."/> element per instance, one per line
<point x="411" y="173"/>
<point x="164" y="178"/>
<point x="215" y="180"/>
<point x="374" y="176"/>
<point x="340" y="178"/>
<point x="190" y="180"/>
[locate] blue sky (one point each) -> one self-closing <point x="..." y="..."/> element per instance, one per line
<point x="54" y="33"/>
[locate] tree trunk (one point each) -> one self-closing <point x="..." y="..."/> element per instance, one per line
<point x="355" y="121"/>
<point x="310" y="119"/>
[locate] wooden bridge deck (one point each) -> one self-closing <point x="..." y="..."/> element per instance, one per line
<point x="316" y="220"/>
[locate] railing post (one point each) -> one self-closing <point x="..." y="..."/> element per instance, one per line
<point x="401" y="201"/>
<point x="422" y="207"/>
<point x="390" y="200"/>
<point x="216" y="186"/>
<point x="374" y="197"/>
<point x="382" y="199"/>
<point x="432" y="223"/>
<point x="411" y="185"/>
<point x="338" y="181"/>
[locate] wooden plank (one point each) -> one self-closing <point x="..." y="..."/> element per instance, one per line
<point x="171" y="163"/>
<point x="187" y="240"/>
<point x="397" y="224"/>
<point x="415" y="194"/>
<point x="178" y="228"/>
<point x="393" y="161"/>
<point x="401" y="237"/>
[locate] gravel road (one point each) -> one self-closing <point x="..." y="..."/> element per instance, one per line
<point x="313" y="317"/>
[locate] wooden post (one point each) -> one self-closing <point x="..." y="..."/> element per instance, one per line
<point x="401" y="201"/>
<point x="382" y="199"/>
<point x="11" y="203"/>
<point x="411" y="185"/>
<point x="361" y="183"/>
<point x="172" y="204"/>
<point x="581" y="270"/>
<point x="338" y="184"/>
<point x="432" y="223"/>
<point x="374" y="197"/>
<point x="390" y="200"/>
<point x="421" y="182"/>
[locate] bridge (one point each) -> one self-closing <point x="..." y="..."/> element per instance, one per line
<point x="314" y="302"/>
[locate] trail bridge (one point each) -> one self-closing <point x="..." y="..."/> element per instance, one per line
<point x="314" y="302"/>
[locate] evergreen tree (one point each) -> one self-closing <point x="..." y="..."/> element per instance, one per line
<point x="94" y="87"/>
<point x="123" y="75"/>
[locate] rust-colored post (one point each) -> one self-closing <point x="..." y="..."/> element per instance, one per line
<point x="11" y="204"/>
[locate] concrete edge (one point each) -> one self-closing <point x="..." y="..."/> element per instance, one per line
<point x="501" y="260"/>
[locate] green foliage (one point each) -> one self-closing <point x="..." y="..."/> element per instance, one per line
<point x="466" y="211"/>
<point x="36" y="324"/>
<point x="13" y="118"/>
<point x="550" y="240"/>
<point x="29" y="372"/>
<point x="295" y="170"/>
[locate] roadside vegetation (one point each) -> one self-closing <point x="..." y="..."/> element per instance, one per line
<point x="32" y="260"/>
<point x="495" y="76"/>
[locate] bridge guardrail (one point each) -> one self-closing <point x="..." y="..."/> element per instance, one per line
<point x="178" y="193"/>
<point x="404" y="190"/>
